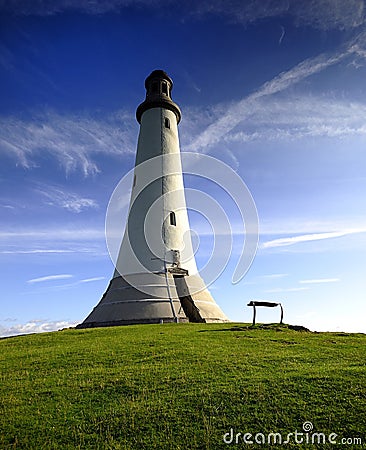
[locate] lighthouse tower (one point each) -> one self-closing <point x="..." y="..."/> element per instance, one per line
<point x="156" y="278"/>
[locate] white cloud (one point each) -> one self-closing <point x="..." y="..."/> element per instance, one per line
<point x="67" y="240"/>
<point x="46" y="8"/>
<point x="89" y="280"/>
<point x="67" y="200"/>
<point x="35" y="326"/>
<point x="78" y="249"/>
<point x="273" y="276"/>
<point x="78" y="204"/>
<point x="329" y="14"/>
<point x="293" y="225"/>
<point x="319" y="280"/>
<point x="294" y="118"/>
<point x="283" y="242"/>
<point x="260" y="279"/>
<point x="73" y="140"/>
<point x="35" y="251"/>
<point x="77" y="283"/>
<point x="251" y="107"/>
<point x="49" y="278"/>
<point x="295" y="289"/>
<point x="69" y="234"/>
<point x="320" y="14"/>
<point x="65" y="286"/>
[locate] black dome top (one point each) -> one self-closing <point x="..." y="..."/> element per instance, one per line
<point x="160" y="74"/>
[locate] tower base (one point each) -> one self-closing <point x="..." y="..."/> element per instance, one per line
<point x="171" y="298"/>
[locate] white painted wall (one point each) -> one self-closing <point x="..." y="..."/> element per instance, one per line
<point x="158" y="191"/>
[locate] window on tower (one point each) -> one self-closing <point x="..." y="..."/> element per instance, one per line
<point x="166" y="122"/>
<point x="155" y="88"/>
<point x="164" y="88"/>
<point x="173" y="220"/>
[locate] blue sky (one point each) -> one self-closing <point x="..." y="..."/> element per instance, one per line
<point x="275" y="89"/>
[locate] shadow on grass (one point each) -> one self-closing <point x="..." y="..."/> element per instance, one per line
<point x="262" y="326"/>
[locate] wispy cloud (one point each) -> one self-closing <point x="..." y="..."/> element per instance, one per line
<point x="73" y="140"/>
<point x="294" y="289"/>
<point x="260" y="279"/>
<point x="273" y="276"/>
<point x="80" y="282"/>
<point x="35" y="251"/>
<point x="90" y="280"/>
<point x="320" y="14"/>
<point x="67" y="240"/>
<point x="283" y="242"/>
<point x="244" y="109"/>
<point x="292" y="225"/>
<point x="51" y="287"/>
<point x="50" y="278"/>
<point x="294" y="118"/>
<point x="67" y="200"/>
<point x="71" y="234"/>
<point x="320" y="280"/>
<point x="77" y="249"/>
<point x="282" y="35"/>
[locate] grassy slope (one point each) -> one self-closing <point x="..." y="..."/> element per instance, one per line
<point x="178" y="386"/>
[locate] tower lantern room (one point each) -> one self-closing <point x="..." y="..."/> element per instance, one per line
<point x="158" y="87"/>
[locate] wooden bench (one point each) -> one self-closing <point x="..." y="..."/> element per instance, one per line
<point x="255" y="303"/>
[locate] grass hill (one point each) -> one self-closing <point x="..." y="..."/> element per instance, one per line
<point x="182" y="386"/>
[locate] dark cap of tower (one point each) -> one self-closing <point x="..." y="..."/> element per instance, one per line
<point x="158" y="95"/>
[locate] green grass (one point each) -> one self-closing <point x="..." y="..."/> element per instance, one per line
<point x="179" y="386"/>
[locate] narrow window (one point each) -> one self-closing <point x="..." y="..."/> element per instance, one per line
<point x="173" y="220"/>
<point x="167" y="122"/>
<point x="134" y="181"/>
<point x="155" y="88"/>
<point x="164" y="88"/>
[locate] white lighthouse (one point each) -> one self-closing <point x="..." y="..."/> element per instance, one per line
<point x="156" y="278"/>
